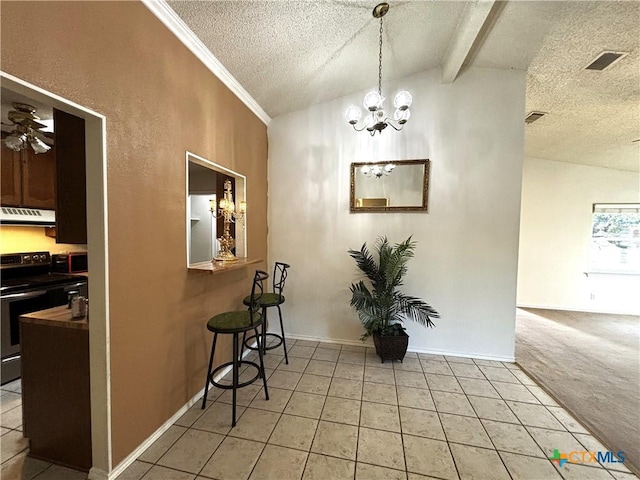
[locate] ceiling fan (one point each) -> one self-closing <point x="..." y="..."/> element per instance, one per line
<point x="26" y="130"/>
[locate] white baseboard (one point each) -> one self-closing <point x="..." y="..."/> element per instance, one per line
<point x="493" y="358"/>
<point x="122" y="466"/>
<point x="368" y="343"/>
<point x="570" y="309"/>
<point x="97" y="474"/>
<point x="311" y="338"/>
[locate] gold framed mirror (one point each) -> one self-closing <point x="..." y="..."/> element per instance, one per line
<point x="392" y="186"/>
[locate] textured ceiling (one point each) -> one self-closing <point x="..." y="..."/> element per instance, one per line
<point x="292" y="54"/>
<point x="594" y="117"/>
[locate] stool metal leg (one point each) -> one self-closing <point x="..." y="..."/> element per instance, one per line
<point x="284" y="343"/>
<point x="206" y="385"/>
<point x="235" y="377"/>
<point x="264" y="330"/>
<point x="264" y="375"/>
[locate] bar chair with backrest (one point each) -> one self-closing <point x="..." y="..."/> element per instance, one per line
<point x="235" y="323"/>
<point x="274" y="299"/>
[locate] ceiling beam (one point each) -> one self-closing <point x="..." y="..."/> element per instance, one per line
<point x="466" y="34"/>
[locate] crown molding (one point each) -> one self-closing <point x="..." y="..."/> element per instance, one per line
<point x="176" y="25"/>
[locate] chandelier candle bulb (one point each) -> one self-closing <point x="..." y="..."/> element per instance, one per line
<point x="373" y="101"/>
<point x="353" y="114"/>
<point x="402" y="100"/>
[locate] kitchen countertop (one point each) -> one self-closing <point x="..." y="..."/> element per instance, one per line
<point x="56" y="317"/>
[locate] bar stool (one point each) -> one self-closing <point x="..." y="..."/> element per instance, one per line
<point x="274" y="299"/>
<point x="235" y="323"/>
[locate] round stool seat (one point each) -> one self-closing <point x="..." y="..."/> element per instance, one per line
<point x="233" y="322"/>
<point x="266" y="300"/>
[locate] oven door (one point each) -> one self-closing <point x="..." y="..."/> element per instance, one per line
<point x="14" y="305"/>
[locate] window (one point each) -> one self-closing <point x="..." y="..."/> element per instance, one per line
<point x="615" y="238"/>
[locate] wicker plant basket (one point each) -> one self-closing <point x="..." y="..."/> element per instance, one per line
<point x="391" y="347"/>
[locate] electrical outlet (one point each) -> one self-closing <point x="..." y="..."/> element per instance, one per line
<point x="592" y="296"/>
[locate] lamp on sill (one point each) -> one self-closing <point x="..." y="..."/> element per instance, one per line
<point x="227" y="210"/>
<point x="373" y="101"/>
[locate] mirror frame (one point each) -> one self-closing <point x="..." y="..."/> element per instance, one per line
<point x="413" y="208"/>
<point x="241" y="192"/>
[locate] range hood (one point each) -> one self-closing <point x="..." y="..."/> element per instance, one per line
<point x="27" y="216"/>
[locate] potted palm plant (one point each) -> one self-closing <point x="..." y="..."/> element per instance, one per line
<point x="380" y="305"/>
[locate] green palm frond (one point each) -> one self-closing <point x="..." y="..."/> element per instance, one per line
<point x="361" y="296"/>
<point x="366" y="263"/>
<point x="382" y="307"/>
<point x="416" y="309"/>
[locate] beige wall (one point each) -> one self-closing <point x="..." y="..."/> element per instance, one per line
<point x="159" y="100"/>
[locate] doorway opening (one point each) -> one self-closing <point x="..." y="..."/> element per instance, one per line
<point x="98" y="261"/>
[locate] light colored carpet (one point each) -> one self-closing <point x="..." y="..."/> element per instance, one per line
<point x="590" y="363"/>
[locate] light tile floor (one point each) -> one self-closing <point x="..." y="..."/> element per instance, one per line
<point x="336" y="412"/>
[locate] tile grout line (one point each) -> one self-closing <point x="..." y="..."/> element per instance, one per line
<point x="355" y="463"/>
<point x="404" y="450"/>
<point x="444" y="432"/>
<point x="304" y="467"/>
<point x="484" y="428"/>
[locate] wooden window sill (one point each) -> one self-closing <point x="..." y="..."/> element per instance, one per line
<point x="219" y="267"/>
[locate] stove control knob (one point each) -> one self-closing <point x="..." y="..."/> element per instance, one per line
<point x="26" y="258"/>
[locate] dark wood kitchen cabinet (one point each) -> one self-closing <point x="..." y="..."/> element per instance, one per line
<point x="55" y="180"/>
<point x="56" y="390"/>
<point x="28" y="179"/>
<point x="71" y="179"/>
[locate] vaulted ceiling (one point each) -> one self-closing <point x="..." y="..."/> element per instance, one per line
<point x="289" y="55"/>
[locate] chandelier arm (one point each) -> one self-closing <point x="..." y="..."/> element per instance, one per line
<point x="388" y="121"/>
<point x="364" y="125"/>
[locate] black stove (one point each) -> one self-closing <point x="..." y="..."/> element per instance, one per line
<point x="27" y="285"/>
<point x="30" y="270"/>
<point x="9" y="285"/>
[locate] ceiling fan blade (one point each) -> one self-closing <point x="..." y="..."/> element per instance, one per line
<point x="7" y="127"/>
<point x="43" y="136"/>
<point x="33" y="124"/>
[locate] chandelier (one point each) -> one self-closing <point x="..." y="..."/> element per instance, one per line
<point x="376" y="171"/>
<point x="376" y="121"/>
<point x="26" y="130"/>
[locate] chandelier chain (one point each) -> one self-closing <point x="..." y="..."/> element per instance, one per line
<point x="380" y="62"/>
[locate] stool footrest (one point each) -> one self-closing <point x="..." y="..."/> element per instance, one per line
<point x="247" y="342"/>
<point x="230" y="364"/>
